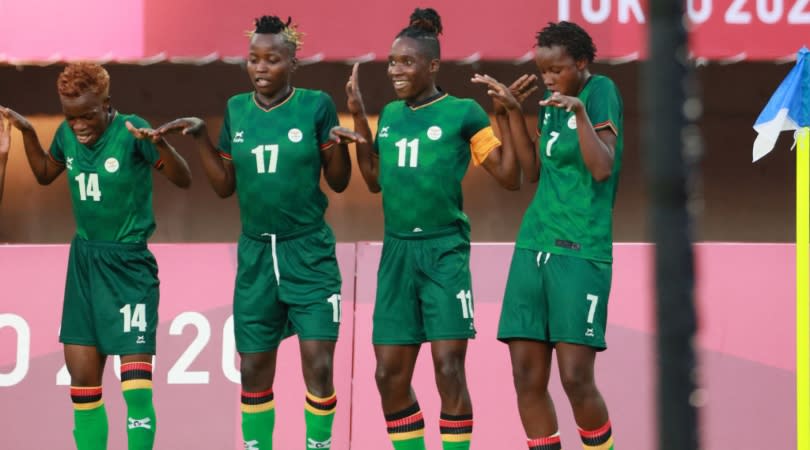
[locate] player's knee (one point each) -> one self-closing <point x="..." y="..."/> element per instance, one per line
<point x="255" y="372"/>
<point x="450" y="372"/>
<point x="578" y="383"/>
<point x="319" y="376"/>
<point x="389" y="377"/>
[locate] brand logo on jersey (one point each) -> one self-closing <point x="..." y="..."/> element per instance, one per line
<point x="434" y="133"/>
<point x="295" y="135"/>
<point x="69" y="162"/>
<point x="251" y="445"/>
<point x="140" y="340"/>
<point x="545" y="117"/>
<point x="139" y="423"/>
<point x="312" y="443"/>
<point x="111" y="164"/>
<point x="383" y="132"/>
<point x="239" y="137"/>
<point x="589" y="332"/>
<point x="572" y="122"/>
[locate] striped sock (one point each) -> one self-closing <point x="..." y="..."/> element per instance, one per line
<point x="318" y="415"/>
<point x="89" y="418"/>
<point x="546" y="443"/>
<point x="456" y="431"/>
<point x="598" y="439"/>
<point x="258" y="419"/>
<point x="406" y="428"/>
<point x="136" y="382"/>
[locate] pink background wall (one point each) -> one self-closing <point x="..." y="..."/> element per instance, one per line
<point x="746" y="348"/>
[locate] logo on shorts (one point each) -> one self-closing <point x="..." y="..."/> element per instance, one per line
<point x="139" y="423"/>
<point x="140" y="340"/>
<point x="434" y="133"/>
<point x="572" y="123"/>
<point x="589" y="332"/>
<point x="312" y="443"/>
<point x="239" y="137"/>
<point x="251" y="445"/>
<point x="111" y="164"/>
<point x="295" y="135"/>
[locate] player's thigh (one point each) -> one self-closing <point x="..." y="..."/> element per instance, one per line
<point x="578" y="292"/>
<point x="524" y="312"/>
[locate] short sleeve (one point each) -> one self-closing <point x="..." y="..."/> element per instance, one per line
<point x="604" y="107"/>
<point x="57" y="150"/>
<point x="325" y="119"/>
<point x="144" y="147"/>
<point x="477" y="130"/>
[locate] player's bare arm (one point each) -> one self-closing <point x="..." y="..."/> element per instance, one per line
<point x="174" y="167"/>
<point x="367" y="160"/>
<point x="219" y="171"/>
<point x="44" y="168"/>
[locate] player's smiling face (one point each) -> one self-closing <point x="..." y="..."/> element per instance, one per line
<point x="410" y="70"/>
<point x="87" y="115"/>
<point x="560" y="72"/>
<point x="270" y="63"/>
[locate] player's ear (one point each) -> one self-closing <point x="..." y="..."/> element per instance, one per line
<point x="434" y="66"/>
<point x="293" y="64"/>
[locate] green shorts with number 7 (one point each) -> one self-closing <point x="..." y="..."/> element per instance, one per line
<point x="111" y="297"/>
<point x="556" y="298"/>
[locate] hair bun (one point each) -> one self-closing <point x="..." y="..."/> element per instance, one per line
<point x="426" y="19"/>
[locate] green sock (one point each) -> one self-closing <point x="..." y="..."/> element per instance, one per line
<point x="319" y="413"/>
<point x="456" y="431"/>
<point x="89" y="418"/>
<point x="136" y="382"/>
<point x="406" y="428"/>
<point x="258" y="419"/>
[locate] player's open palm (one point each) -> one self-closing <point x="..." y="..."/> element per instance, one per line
<point x="142" y="133"/>
<point x="193" y="126"/>
<point x="17" y="120"/>
<point x="355" y="98"/>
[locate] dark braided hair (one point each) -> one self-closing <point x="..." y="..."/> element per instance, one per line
<point x="425" y="27"/>
<point x="576" y="41"/>
<point x="274" y="25"/>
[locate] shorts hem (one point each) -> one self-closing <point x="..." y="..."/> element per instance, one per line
<point x="317" y="338"/>
<point x="127" y="352"/>
<point x="450" y="337"/>
<point x="398" y="341"/>
<point x="72" y="341"/>
<point x="261" y="350"/>
<point x="598" y="346"/>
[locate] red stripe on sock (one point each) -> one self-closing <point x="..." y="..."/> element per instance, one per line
<point x="544" y="441"/>
<point x="406" y="421"/>
<point x="595" y="433"/>
<point x="257" y="394"/>
<point x="136" y="366"/>
<point x="455" y="423"/>
<point x="82" y="391"/>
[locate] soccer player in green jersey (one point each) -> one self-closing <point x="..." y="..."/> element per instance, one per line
<point x="111" y="293"/>
<point x="5" y="146"/>
<point x="559" y="280"/>
<point x="423" y="147"/>
<point x="273" y="146"/>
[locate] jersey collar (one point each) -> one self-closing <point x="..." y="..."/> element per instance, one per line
<point x="275" y="104"/>
<point x="428" y="101"/>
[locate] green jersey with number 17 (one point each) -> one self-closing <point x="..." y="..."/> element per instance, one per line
<point x="572" y="214"/>
<point x="276" y="154"/>
<point x="110" y="181"/>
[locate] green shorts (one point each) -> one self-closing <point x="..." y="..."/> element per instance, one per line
<point x="286" y="285"/>
<point x="111" y="297"/>
<point x="556" y="298"/>
<point x="424" y="289"/>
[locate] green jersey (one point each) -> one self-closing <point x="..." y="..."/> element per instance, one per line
<point x="424" y="153"/>
<point x="110" y="181"/>
<point x="276" y="155"/>
<point x="572" y="214"/>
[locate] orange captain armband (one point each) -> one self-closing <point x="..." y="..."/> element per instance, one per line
<point x="482" y="143"/>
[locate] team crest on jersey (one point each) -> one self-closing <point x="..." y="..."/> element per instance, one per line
<point x="434" y="133"/>
<point x="112" y="165"/>
<point x="383" y="132"/>
<point x="69" y="162"/>
<point x="572" y="122"/>
<point x="239" y="137"/>
<point x="295" y="135"/>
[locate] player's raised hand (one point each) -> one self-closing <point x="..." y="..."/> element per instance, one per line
<point x="355" y="98"/>
<point x="502" y="97"/>
<point x="193" y="126"/>
<point x="523" y="87"/>
<point x="344" y="135"/>
<point x="143" y="133"/>
<point x="565" y="102"/>
<point x="5" y="135"/>
<point x="18" y="121"/>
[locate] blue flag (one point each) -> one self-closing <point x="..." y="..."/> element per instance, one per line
<point x="788" y="108"/>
